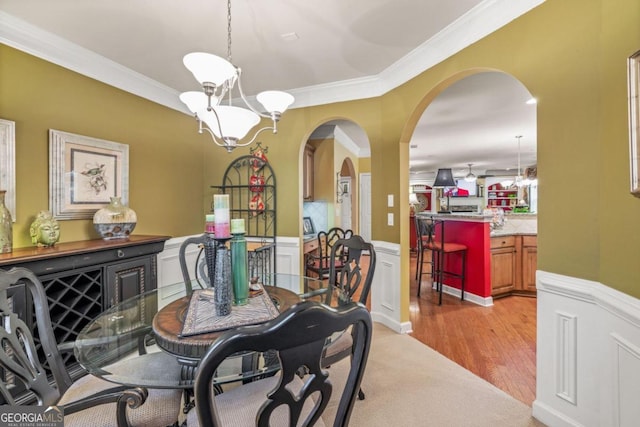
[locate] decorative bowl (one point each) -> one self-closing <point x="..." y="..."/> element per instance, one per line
<point x="119" y="230"/>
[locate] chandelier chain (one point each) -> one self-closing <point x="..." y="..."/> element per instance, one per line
<point x="229" y="31"/>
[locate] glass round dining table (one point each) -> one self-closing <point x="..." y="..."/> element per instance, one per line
<point x="138" y="342"/>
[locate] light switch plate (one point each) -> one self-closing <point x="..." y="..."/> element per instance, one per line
<point x="390" y="200"/>
<point x="389" y="219"/>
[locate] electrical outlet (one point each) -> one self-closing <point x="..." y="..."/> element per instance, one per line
<point x="390" y="200"/>
<point x="389" y="219"/>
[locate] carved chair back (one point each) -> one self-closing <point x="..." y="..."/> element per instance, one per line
<point x="19" y="359"/>
<point x="298" y="335"/>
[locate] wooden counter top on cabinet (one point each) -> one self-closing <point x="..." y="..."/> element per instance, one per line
<point x="513" y="265"/>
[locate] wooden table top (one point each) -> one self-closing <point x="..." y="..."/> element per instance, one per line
<point x="168" y="322"/>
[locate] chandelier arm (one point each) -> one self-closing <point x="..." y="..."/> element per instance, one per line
<point x="224" y="144"/>
<point x="255" y="136"/>
<point x="244" y="98"/>
<point x="219" y="125"/>
<point x="213" y="136"/>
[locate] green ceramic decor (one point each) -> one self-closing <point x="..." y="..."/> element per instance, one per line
<point x="44" y="230"/>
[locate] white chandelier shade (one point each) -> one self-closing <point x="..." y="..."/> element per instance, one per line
<point x="233" y="122"/>
<point x="275" y="101"/>
<point x="209" y="68"/>
<point x="196" y="101"/>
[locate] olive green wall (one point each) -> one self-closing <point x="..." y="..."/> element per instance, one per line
<point x="570" y="54"/>
<point x="165" y="152"/>
<point x="364" y="163"/>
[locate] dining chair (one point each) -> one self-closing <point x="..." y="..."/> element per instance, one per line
<point x="88" y="401"/>
<point x="198" y="268"/>
<point x="320" y="262"/>
<point x="441" y="251"/>
<point x="286" y="399"/>
<point x="352" y="278"/>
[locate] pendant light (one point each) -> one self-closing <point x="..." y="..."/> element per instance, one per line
<point x="470" y="176"/>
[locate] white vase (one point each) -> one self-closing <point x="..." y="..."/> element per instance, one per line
<point x="6" y="226"/>
<point x="115" y="221"/>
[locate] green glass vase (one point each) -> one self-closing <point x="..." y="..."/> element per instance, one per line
<point x="239" y="268"/>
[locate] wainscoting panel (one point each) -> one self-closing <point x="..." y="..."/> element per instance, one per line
<point x="170" y="282"/>
<point x="626" y="376"/>
<point x="288" y="259"/>
<point x="566" y="362"/>
<point x="588" y="354"/>
<point x="386" y="289"/>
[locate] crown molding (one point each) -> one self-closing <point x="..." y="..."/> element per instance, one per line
<point x="28" y="38"/>
<point x="487" y="17"/>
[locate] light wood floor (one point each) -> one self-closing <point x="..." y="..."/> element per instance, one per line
<point x="496" y="343"/>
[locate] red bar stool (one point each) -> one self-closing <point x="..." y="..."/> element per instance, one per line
<point x="433" y="239"/>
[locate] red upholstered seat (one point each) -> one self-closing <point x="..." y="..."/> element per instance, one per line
<point x="448" y="247"/>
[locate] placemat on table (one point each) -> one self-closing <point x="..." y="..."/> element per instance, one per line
<point x="201" y="315"/>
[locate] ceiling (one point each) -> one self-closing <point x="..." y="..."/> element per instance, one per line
<point x="476" y="121"/>
<point x="324" y="52"/>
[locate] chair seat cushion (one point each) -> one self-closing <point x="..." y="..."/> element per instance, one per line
<point x="239" y="406"/>
<point x="342" y="344"/>
<point x="160" y="409"/>
<point x="448" y="247"/>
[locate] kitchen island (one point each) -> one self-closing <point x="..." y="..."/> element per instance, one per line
<point x="500" y="262"/>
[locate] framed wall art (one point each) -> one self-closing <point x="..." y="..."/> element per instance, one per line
<point x="84" y="174"/>
<point x="307" y="226"/>
<point x="8" y="164"/>
<point x="634" y="120"/>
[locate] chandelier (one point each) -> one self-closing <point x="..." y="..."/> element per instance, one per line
<point x="228" y="124"/>
<point x="470" y="176"/>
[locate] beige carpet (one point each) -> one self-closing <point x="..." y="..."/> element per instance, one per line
<point x="408" y="384"/>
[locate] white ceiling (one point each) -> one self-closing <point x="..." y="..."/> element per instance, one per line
<point x="476" y="120"/>
<point x="321" y="52"/>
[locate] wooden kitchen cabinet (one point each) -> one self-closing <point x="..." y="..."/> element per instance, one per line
<point x="503" y="265"/>
<point x="513" y="265"/>
<point x="529" y="263"/>
<point x="308" y="174"/>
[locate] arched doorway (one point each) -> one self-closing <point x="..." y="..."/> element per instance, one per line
<point x="334" y="156"/>
<point x="471" y="125"/>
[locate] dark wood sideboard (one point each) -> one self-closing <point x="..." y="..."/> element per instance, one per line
<point x="84" y="278"/>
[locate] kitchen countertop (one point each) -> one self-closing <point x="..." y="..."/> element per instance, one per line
<point x="501" y="233"/>
<point x="515" y="224"/>
<point x="473" y="217"/>
<point x="518" y="225"/>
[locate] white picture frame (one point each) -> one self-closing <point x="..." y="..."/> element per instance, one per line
<point x="634" y="120"/>
<point x="84" y="174"/>
<point x="8" y="164"/>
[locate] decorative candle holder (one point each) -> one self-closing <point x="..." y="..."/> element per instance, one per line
<point x="221" y="278"/>
<point x="239" y="263"/>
